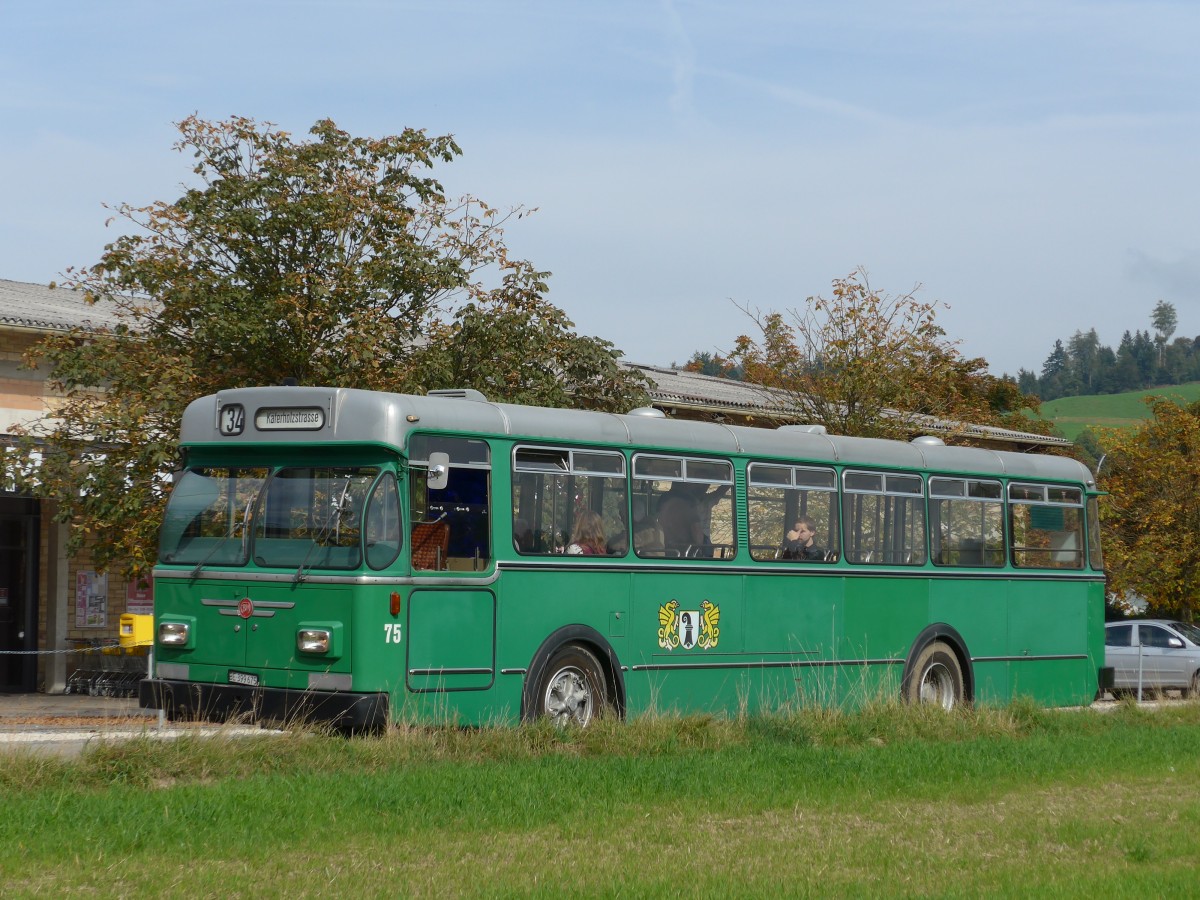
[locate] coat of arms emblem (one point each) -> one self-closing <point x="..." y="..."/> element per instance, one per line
<point x="688" y="628"/>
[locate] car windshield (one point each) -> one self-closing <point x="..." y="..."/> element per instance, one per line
<point x="1188" y="630"/>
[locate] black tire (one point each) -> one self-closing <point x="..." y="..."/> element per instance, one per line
<point x="572" y="689"/>
<point x="936" y="677"/>
<point x="1192" y="691"/>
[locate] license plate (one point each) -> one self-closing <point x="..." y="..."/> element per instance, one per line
<point x="243" y="678"/>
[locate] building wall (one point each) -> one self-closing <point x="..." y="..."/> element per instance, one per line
<point x="80" y="626"/>
<point x="64" y="638"/>
<point x="23" y="391"/>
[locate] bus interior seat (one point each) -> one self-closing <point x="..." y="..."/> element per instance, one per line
<point x="430" y="542"/>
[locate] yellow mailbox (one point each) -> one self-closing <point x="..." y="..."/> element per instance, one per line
<point x="136" y="631"/>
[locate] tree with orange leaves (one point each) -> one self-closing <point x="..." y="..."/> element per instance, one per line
<point x="862" y="362"/>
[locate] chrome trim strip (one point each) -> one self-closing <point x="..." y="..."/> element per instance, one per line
<point x="513" y="671"/>
<point x="1028" y="658"/>
<point x="257" y="614"/>
<point x="363" y="580"/>
<point x="450" y="671"/>
<point x="265" y="604"/>
<point x="769" y="664"/>
<point x="810" y="570"/>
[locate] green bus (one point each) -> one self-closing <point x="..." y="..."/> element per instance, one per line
<point x="360" y="558"/>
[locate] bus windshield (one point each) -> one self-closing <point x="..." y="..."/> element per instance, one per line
<point x="311" y="517"/>
<point x="205" y="522"/>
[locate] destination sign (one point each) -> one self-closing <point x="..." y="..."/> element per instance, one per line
<point x="290" y="418"/>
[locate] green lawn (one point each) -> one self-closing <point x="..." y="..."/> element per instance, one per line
<point x="885" y="801"/>
<point x="1073" y="414"/>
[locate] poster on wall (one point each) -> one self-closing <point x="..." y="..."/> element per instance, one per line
<point x="139" y="597"/>
<point x="91" y="600"/>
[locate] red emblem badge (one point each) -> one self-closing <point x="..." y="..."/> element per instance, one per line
<point x="245" y="607"/>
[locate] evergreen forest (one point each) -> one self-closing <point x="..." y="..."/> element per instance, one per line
<point x="1145" y="358"/>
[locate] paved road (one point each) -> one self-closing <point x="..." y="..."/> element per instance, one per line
<point x="63" y="725"/>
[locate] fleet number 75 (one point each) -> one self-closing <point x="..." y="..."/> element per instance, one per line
<point x="391" y="633"/>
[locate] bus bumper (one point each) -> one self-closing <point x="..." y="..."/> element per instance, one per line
<point x="341" y="710"/>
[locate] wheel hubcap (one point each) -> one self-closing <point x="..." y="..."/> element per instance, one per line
<point x="569" y="698"/>
<point x="937" y="687"/>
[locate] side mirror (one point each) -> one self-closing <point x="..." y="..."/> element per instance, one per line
<point x="1175" y="643"/>
<point x="438" y="475"/>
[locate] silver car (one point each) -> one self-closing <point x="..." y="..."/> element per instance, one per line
<point x="1160" y="654"/>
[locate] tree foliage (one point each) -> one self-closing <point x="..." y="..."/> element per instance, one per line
<point x="335" y="260"/>
<point x="714" y="365"/>
<point x="862" y="362"/>
<point x="1152" y="512"/>
<point x="1085" y="366"/>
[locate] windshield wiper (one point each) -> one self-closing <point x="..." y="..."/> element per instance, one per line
<point x="243" y="524"/>
<point x="339" y="507"/>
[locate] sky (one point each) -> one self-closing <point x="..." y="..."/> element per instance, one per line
<point x="1029" y="166"/>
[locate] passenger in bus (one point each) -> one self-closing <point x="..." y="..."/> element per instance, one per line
<point x="587" y="538"/>
<point x="679" y="516"/>
<point x="801" y="541"/>
<point x="522" y="536"/>
<point x="685" y="513"/>
<point x="647" y="536"/>
<point x="619" y="542"/>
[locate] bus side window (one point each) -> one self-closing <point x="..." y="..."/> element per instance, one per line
<point x="1046" y="522"/>
<point x="884" y="518"/>
<point x="779" y="497"/>
<point x="966" y="522"/>
<point x="691" y="507"/>
<point x="556" y="491"/>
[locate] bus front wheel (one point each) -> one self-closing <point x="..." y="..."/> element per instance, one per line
<point x="572" y="689"/>
<point x="936" y="677"/>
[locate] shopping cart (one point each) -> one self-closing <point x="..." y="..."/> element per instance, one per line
<point x="106" y="670"/>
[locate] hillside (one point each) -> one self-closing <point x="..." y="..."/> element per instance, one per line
<point x="1073" y="414"/>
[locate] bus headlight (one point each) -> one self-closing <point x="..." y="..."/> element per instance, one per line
<point x="174" y="634"/>
<point x="313" y="640"/>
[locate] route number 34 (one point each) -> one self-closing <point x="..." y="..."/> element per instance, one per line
<point x="391" y="633"/>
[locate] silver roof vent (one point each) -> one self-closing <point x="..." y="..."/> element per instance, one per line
<point x="648" y="412"/>
<point x="458" y="394"/>
<point x="803" y="429"/>
<point x="928" y="440"/>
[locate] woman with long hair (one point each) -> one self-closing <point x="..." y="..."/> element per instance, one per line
<point x="587" y="538"/>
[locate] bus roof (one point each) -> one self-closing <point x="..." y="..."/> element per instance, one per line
<point x="244" y="416"/>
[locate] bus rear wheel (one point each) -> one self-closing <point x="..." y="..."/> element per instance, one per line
<point x="572" y="689"/>
<point x="936" y="677"/>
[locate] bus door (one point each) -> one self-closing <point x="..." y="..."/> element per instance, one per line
<point x="450" y="628"/>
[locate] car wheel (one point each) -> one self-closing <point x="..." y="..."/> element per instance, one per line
<point x="1193" y="690"/>
<point x="572" y="689"/>
<point x="936" y="677"/>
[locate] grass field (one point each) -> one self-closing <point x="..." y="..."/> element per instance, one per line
<point x="885" y="801"/>
<point x="1073" y="414"/>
